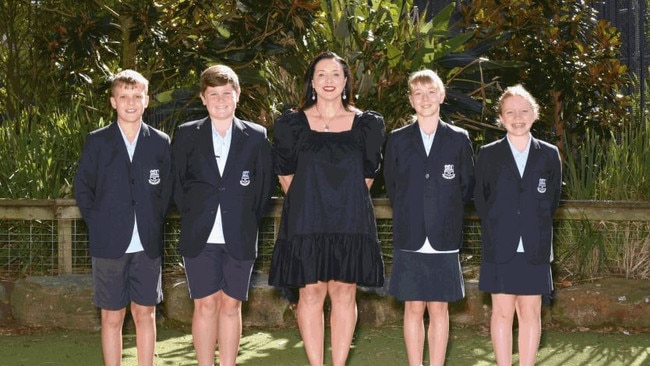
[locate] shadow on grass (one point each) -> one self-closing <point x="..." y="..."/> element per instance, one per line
<point x="468" y="346"/>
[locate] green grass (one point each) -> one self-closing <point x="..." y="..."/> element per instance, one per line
<point x="283" y="347"/>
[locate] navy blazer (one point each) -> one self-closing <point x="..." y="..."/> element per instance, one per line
<point x="111" y="190"/>
<point x="243" y="192"/>
<point x="428" y="193"/>
<point x="511" y="206"/>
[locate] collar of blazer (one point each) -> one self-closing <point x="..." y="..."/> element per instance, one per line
<point x="118" y="140"/>
<point x="205" y="142"/>
<point x="534" y="154"/>
<point x="438" y="141"/>
<point x="115" y="127"/>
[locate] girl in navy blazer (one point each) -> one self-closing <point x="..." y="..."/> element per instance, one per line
<point x="429" y="174"/>
<point x="518" y="184"/>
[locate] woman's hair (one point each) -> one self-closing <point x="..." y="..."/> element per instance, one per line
<point x="219" y="75"/>
<point x="308" y="95"/>
<point x="517" y="90"/>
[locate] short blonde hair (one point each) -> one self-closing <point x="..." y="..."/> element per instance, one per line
<point x="129" y="77"/>
<point x="426" y="76"/>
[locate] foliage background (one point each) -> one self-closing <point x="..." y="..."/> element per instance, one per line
<point x="59" y="54"/>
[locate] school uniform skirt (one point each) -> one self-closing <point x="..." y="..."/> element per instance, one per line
<point x="426" y="277"/>
<point x="516" y="277"/>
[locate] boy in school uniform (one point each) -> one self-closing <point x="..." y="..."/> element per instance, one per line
<point x="123" y="188"/>
<point x="223" y="183"/>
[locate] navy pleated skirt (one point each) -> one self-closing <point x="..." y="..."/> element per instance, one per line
<point x="517" y="277"/>
<point x="426" y="277"/>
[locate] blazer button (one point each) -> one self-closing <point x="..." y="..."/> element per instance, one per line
<point x="426" y="176"/>
<point x="221" y="189"/>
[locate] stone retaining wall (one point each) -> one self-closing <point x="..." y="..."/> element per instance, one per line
<point x="66" y="302"/>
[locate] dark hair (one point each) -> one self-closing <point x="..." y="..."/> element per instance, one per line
<point x="308" y="92"/>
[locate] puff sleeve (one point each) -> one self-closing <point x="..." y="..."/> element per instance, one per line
<point x="374" y="130"/>
<point x="287" y="131"/>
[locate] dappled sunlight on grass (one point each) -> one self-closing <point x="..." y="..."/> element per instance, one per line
<point x="263" y="346"/>
<point x="468" y="346"/>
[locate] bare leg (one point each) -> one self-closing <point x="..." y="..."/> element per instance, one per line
<point x="230" y="328"/>
<point x="503" y="311"/>
<point x="529" y="314"/>
<point x="144" y="318"/>
<point x="414" y="331"/>
<point x="112" y="322"/>
<point x="204" y="328"/>
<point x="310" y="320"/>
<point x="438" y="332"/>
<point x="343" y="319"/>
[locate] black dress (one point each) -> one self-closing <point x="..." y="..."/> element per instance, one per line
<point x="328" y="229"/>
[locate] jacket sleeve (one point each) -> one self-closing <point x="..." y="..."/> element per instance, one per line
<point x="179" y="165"/>
<point x="389" y="167"/>
<point x="482" y="185"/>
<point x="557" y="178"/>
<point x="265" y="166"/>
<point x="86" y="178"/>
<point x="467" y="169"/>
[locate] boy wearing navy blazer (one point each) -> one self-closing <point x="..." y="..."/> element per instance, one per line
<point x="429" y="174"/>
<point x="123" y="188"/>
<point x="223" y="182"/>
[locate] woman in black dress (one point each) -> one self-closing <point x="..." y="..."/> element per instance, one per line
<point x="327" y="154"/>
<point x="518" y="184"/>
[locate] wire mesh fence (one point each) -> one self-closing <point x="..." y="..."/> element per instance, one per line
<point x="585" y="246"/>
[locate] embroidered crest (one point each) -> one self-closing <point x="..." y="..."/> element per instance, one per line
<point x="541" y="185"/>
<point x="449" y="172"/>
<point x="154" y="176"/>
<point x="245" y="178"/>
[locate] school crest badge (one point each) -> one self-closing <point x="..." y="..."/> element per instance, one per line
<point x="449" y="173"/>
<point x="245" y="178"/>
<point x="541" y="185"/>
<point x="154" y="177"/>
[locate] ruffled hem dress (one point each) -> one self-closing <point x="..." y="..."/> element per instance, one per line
<point x="328" y="229"/>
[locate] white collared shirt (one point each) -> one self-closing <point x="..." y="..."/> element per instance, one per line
<point x="521" y="157"/>
<point x="135" y="245"/>
<point x="221" y="145"/>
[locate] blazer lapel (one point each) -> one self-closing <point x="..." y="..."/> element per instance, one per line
<point x="439" y="139"/>
<point x="416" y="140"/>
<point x="143" y="140"/>
<point x="533" y="157"/>
<point x="236" y="143"/>
<point x="119" y="148"/>
<point x="206" y="147"/>
<point x="507" y="157"/>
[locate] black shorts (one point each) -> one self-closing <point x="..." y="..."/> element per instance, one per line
<point x="215" y="269"/>
<point x="133" y="277"/>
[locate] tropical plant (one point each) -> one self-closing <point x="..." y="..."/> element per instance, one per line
<point x="616" y="168"/>
<point x="384" y="41"/>
<point x="40" y="162"/>
<point x="572" y="62"/>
